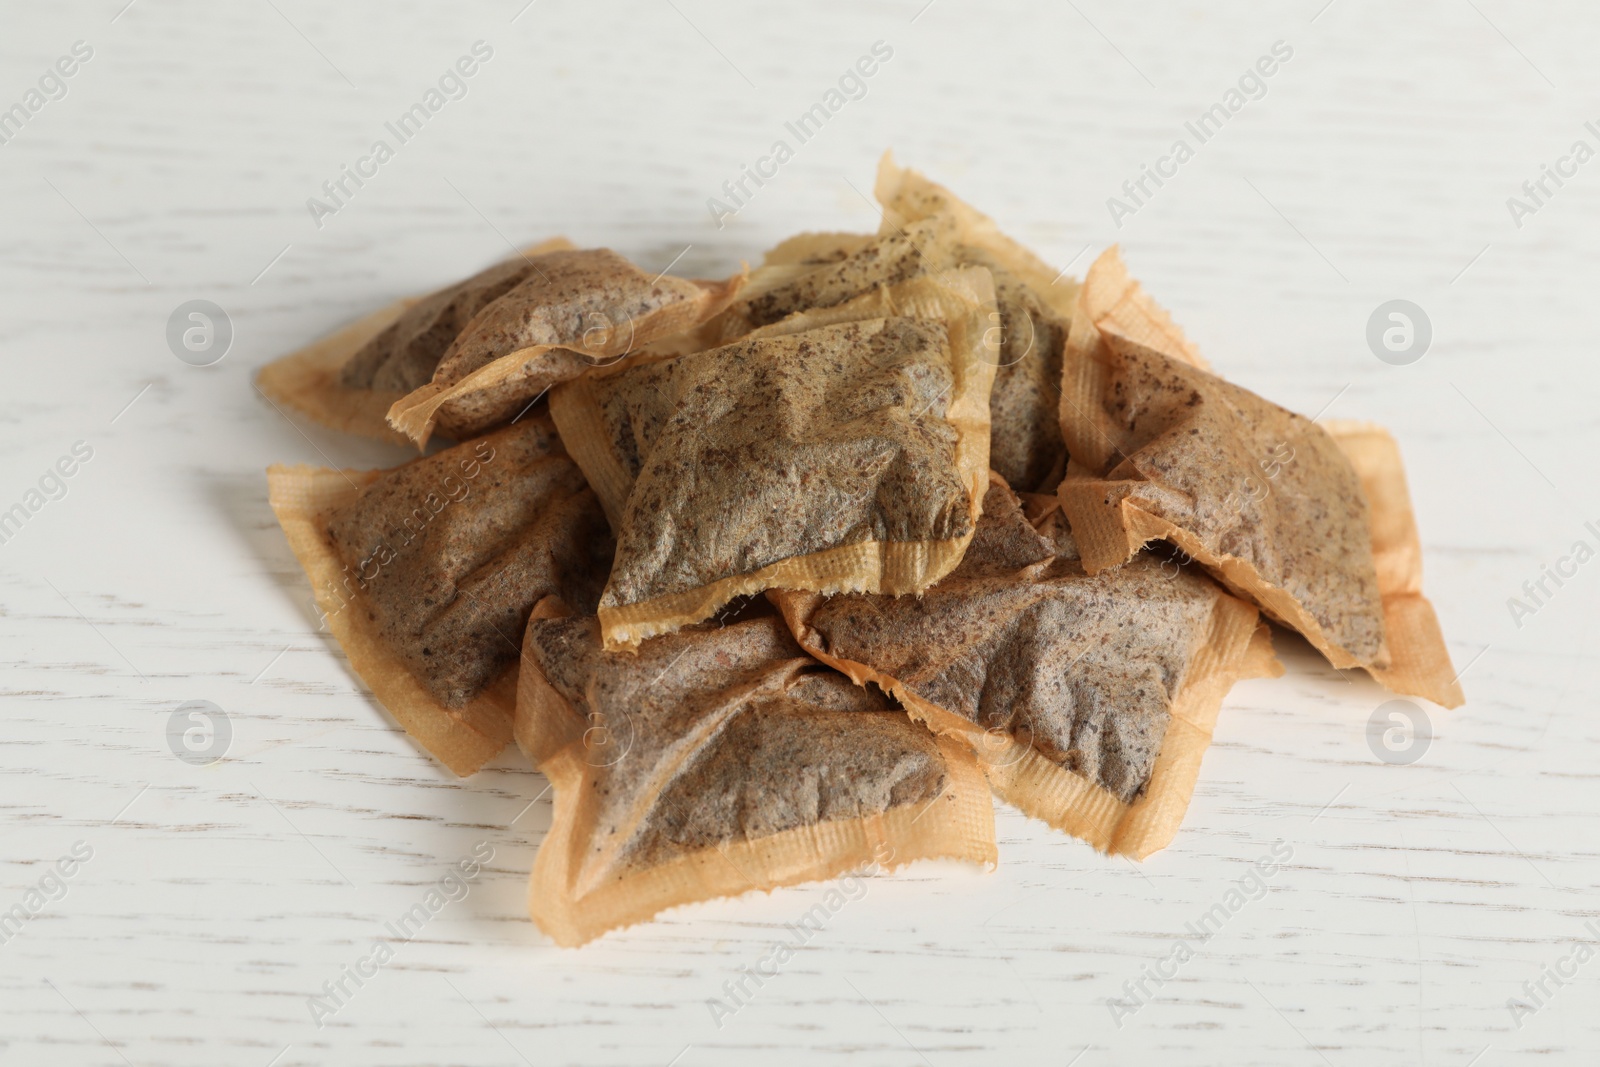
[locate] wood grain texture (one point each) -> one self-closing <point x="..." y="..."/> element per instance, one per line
<point x="218" y="899"/>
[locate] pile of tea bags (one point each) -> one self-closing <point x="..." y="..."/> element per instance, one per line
<point x="781" y="576"/>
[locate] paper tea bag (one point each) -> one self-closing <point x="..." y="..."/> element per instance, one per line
<point x="350" y="380"/>
<point x="788" y="260"/>
<point x="786" y="263"/>
<point x="1089" y="699"/>
<point x="830" y="270"/>
<point x="1035" y="305"/>
<point x="927" y="229"/>
<point x="1419" y="663"/>
<point x="577" y="310"/>
<point x="814" y="249"/>
<point x="426" y="573"/>
<point x="718" y="760"/>
<point x="843" y="448"/>
<point x="1265" y="499"/>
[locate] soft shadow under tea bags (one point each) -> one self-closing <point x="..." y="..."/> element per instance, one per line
<point x="1267" y="500"/>
<point x="718" y="760"/>
<point x="1088" y="699"/>
<point x="574" y="311"/>
<point x="840" y="449"/>
<point x="350" y="380"/>
<point x="426" y="573"/>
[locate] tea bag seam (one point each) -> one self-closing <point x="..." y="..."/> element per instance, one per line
<point x="462" y="738"/>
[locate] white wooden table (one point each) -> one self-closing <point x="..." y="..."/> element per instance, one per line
<point x="216" y="900"/>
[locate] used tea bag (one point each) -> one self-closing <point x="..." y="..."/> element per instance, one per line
<point x="575" y="311"/>
<point x="1089" y="699"/>
<point x="350" y="380"/>
<point x="1035" y="306"/>
<point x="842" y="448"/>
<point x="790" y="259"/>
<point x="1419" y="664"/>
<point x="1265" y="499"/>
<point x="718" y="760"/>
<point x="827" y="271"/>
<point x="814" y="249"/>
<point x="426" y="573"/>
<point x="927" y="229"/>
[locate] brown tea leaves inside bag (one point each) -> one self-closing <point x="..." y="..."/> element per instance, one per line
<point x="405" y="354"/>
<point x="814" y="249"/>
<point x="927" y="229"/>
<point x="1117" y="306"/>
<point x="841" y="449"/>
<point x="1035" y="306"/>
<point x="427" y="573"/>
<point x="831" y="269"/>
<point x="574" y="311"/>
<point x="1419" y="663"/>
<point x="1263" y="498"/>
<point x="1088" y="698"/>
<point x="719" y="760"/>
<point x="350" y="380"/>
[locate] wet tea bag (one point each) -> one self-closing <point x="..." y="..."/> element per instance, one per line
<point x="842" y="448"/>
<point x="426" y="573"/>
<point x="350" y="380"/>
<point x="926" y="229"/>
<point x="1265" y="499"/>
<point x="718" y="760"/>
<point x="824" y="270"/>
<point x="1419" y="663"/>
<point x="814" y="249"/>
<point x="577" y="310"/>
<point x="1089" y="699"/>
<point x="1035" y="304"/>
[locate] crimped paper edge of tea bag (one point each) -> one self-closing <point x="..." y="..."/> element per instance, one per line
<point x="303" y="498"/>
<point x="418" y="413"/>
<point x="972" y="227"/>
<point x="579" y="420"/>
<point x="1110" y="528"/>
<point x="786" y="262"/>
<point x="956" y="825"/>
<point x="308" y="380"/>
<point x="963" y="300"/>
<point x="577" y="412"/>
<point x="1237" y="645"/>
<point x="1419" y="662"/>
<point x="1110" y="532"/>
<point x="1125" y="309"/>
<point x="543" y="723"/>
